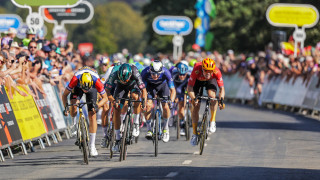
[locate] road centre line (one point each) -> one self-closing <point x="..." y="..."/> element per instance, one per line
<point x="172" y="174"/>
<point x="187" y="162"/>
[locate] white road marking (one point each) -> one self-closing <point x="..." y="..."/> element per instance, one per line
<point x="196" y="153"/>
<point x="172" y="174"/>
<point x="208" y="139"/>
<point x="187" y="162"/>
<point x="205" y="144"/>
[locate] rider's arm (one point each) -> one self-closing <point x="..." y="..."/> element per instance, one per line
<point x="104" y="100"/>
<point x="170" y="84"/>
<point x="172" y="94"/>
<point x="65" y="96"/>
<point x="100" y="88"/>
<point x="220" y="84"/>
<point x="191" y="92"/>
<point x="262" y="76"/>
<point x="110" y="97"/>
<point x="138" y="78"/>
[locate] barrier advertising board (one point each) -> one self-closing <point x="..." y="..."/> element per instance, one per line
<point x="9" y="21"/>
<point x="54" y="106"/>
<point x="27" y="115"/>
<point x="9" y="129"/>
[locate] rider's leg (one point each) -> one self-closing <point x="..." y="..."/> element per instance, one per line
<point x="181" y="106"/>
<point x="213" y="105"/>
<point x="136" y="107"/>
<point x="195" y="118"/>
<point x="166" y="115"/>
<point x="147" y="114"/>
<point x="117" y="122"/>
<point x="104" y="119"/>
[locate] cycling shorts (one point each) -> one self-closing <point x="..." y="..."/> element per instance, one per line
<point x="161" y="90"/>
<point x="199" y="85"/>
<point x="122" y="91"/>
<point x="91" y="96"/>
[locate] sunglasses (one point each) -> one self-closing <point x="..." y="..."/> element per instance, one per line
<point x="182" y="74"/>
<point x="207" y="71"/>
<point x="32" y="47"/>
<point x="155" y="73"/>
<point x="105" y="64"/>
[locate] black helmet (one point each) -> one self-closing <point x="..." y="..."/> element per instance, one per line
<point x="124" y="73"/>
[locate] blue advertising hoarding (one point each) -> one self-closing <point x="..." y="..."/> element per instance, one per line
<point x="171" y="25"/>
<point x="9" y="21"/>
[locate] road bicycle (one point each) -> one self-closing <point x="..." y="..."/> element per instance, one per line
<point x="127" y="137"/>
<point x="82" y="132"/>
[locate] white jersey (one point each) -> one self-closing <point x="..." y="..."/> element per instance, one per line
<point x="105" y="77"/>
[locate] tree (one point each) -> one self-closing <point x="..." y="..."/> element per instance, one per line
<point x="114" y="26"/>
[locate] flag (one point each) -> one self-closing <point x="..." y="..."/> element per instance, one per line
<point x="210" y="8"/>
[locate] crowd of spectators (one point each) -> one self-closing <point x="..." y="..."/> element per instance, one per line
<point x="35" y="61"/>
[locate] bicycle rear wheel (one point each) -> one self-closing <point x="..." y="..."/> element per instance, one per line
<point x="203" y="132"/>
<point x="84" y="143"/>
<point x="156" y="134"/>
<point x="112" y="138"/>
<point x="186" y="126"/>
<point x="176" y="118"/>
<point x="123" y="147"/>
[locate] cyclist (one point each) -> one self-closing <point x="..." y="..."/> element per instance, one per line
<point x="204" y="74"/>
<point x="158" y="78"/>
<point x="255" y="77"/>
<point x="106" y="109"/>
<point x="86" y="81"/>
<point x="128" y="79"/>
<point x="180" y="79"/>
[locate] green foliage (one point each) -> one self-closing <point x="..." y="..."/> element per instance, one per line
<point x="114" y="26"/>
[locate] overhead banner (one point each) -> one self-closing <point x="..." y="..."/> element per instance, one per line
<point x="24" y="3"/>
<point x="80" y="14"/>
<point x="171" y="25"/>
<point x="9" y="21"/>
<point x="9" y="129"/>
<point x="54" y="106"/>
<point x="27" y="116"/>
<point x="45" y="112"/>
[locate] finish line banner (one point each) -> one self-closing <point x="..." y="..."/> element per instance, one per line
<point x="9" y="129"/>
<point x="27" y="115"/>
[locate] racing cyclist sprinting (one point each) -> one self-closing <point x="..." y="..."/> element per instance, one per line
<point x="158" y="80"/>
<point x="125" y="78"/>
<point x="204" y="74"/>
<point x="180" y="80"/>
<point x="86" y="81"/>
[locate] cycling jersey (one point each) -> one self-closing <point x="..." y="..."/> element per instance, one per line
<point x="97" y="84"/>
<point x="165" y="77"/>
<point x="135" y="78"/>
<point x="197" y="74"/>
<point x="180" y="85"/>
<point x="105" y="77"/>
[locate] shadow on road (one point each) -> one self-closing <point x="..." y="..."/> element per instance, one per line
<point x="304" y="123"/>
<point x="186" y="172"/>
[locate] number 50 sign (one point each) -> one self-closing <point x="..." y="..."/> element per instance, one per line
<point x="35" y="21"/>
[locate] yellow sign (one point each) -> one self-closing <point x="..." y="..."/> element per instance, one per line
<point x="27" y="115"/>
<point x="292" y="15"/>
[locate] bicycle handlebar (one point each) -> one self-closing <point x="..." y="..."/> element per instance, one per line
<point x="128" y="99"/>
<point x="206" y="98"/>
<point x="80" y="105"/>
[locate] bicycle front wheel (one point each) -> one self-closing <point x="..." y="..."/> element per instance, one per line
<point x="186" y="126"/>
<point x="203" y="132"/>
<point x="123" y="147"/>
<point x="156" y="134"/>
<point x="84" y="143"/>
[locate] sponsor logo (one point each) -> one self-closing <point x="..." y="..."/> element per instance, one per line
<point x="215" y="71"/>
<point x="197" y="72"/>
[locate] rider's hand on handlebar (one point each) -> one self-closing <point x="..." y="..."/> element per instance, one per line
<point x="96" y="107"/>
<point x="195" y="101"/>
<point x="66" y="111"/>
<point x="221" y="104"/>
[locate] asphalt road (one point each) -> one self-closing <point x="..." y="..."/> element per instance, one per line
<point x="248" y="144"/>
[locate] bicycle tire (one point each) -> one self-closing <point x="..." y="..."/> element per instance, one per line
<point x="112" y="141"/>
<point x="156" y="135"/>
<point x="84" y="143"/>
<point x="123" y="139"/>
<point x="176" y="118"/>
<point x="186" y="126"/>
<point x="203" y="132"/>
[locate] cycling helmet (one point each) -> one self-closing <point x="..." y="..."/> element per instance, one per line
<point x="31" y="31"/>
<point x="86" y="81"/>
<point x="208" y="64"/>
<point x="156" y="66"/>
<point x="250" y="60"/>
<point x="105" y="60"/>
<point x="192" y="62"/>
<point x="146" y="62"/>
<point x="182" y="68"/>
<point x="124" y="73"/>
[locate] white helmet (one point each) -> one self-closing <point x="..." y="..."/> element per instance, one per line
<point x="146" y="62"/>
<point x="156" y="66"/>
<point x="137" y="58"/>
